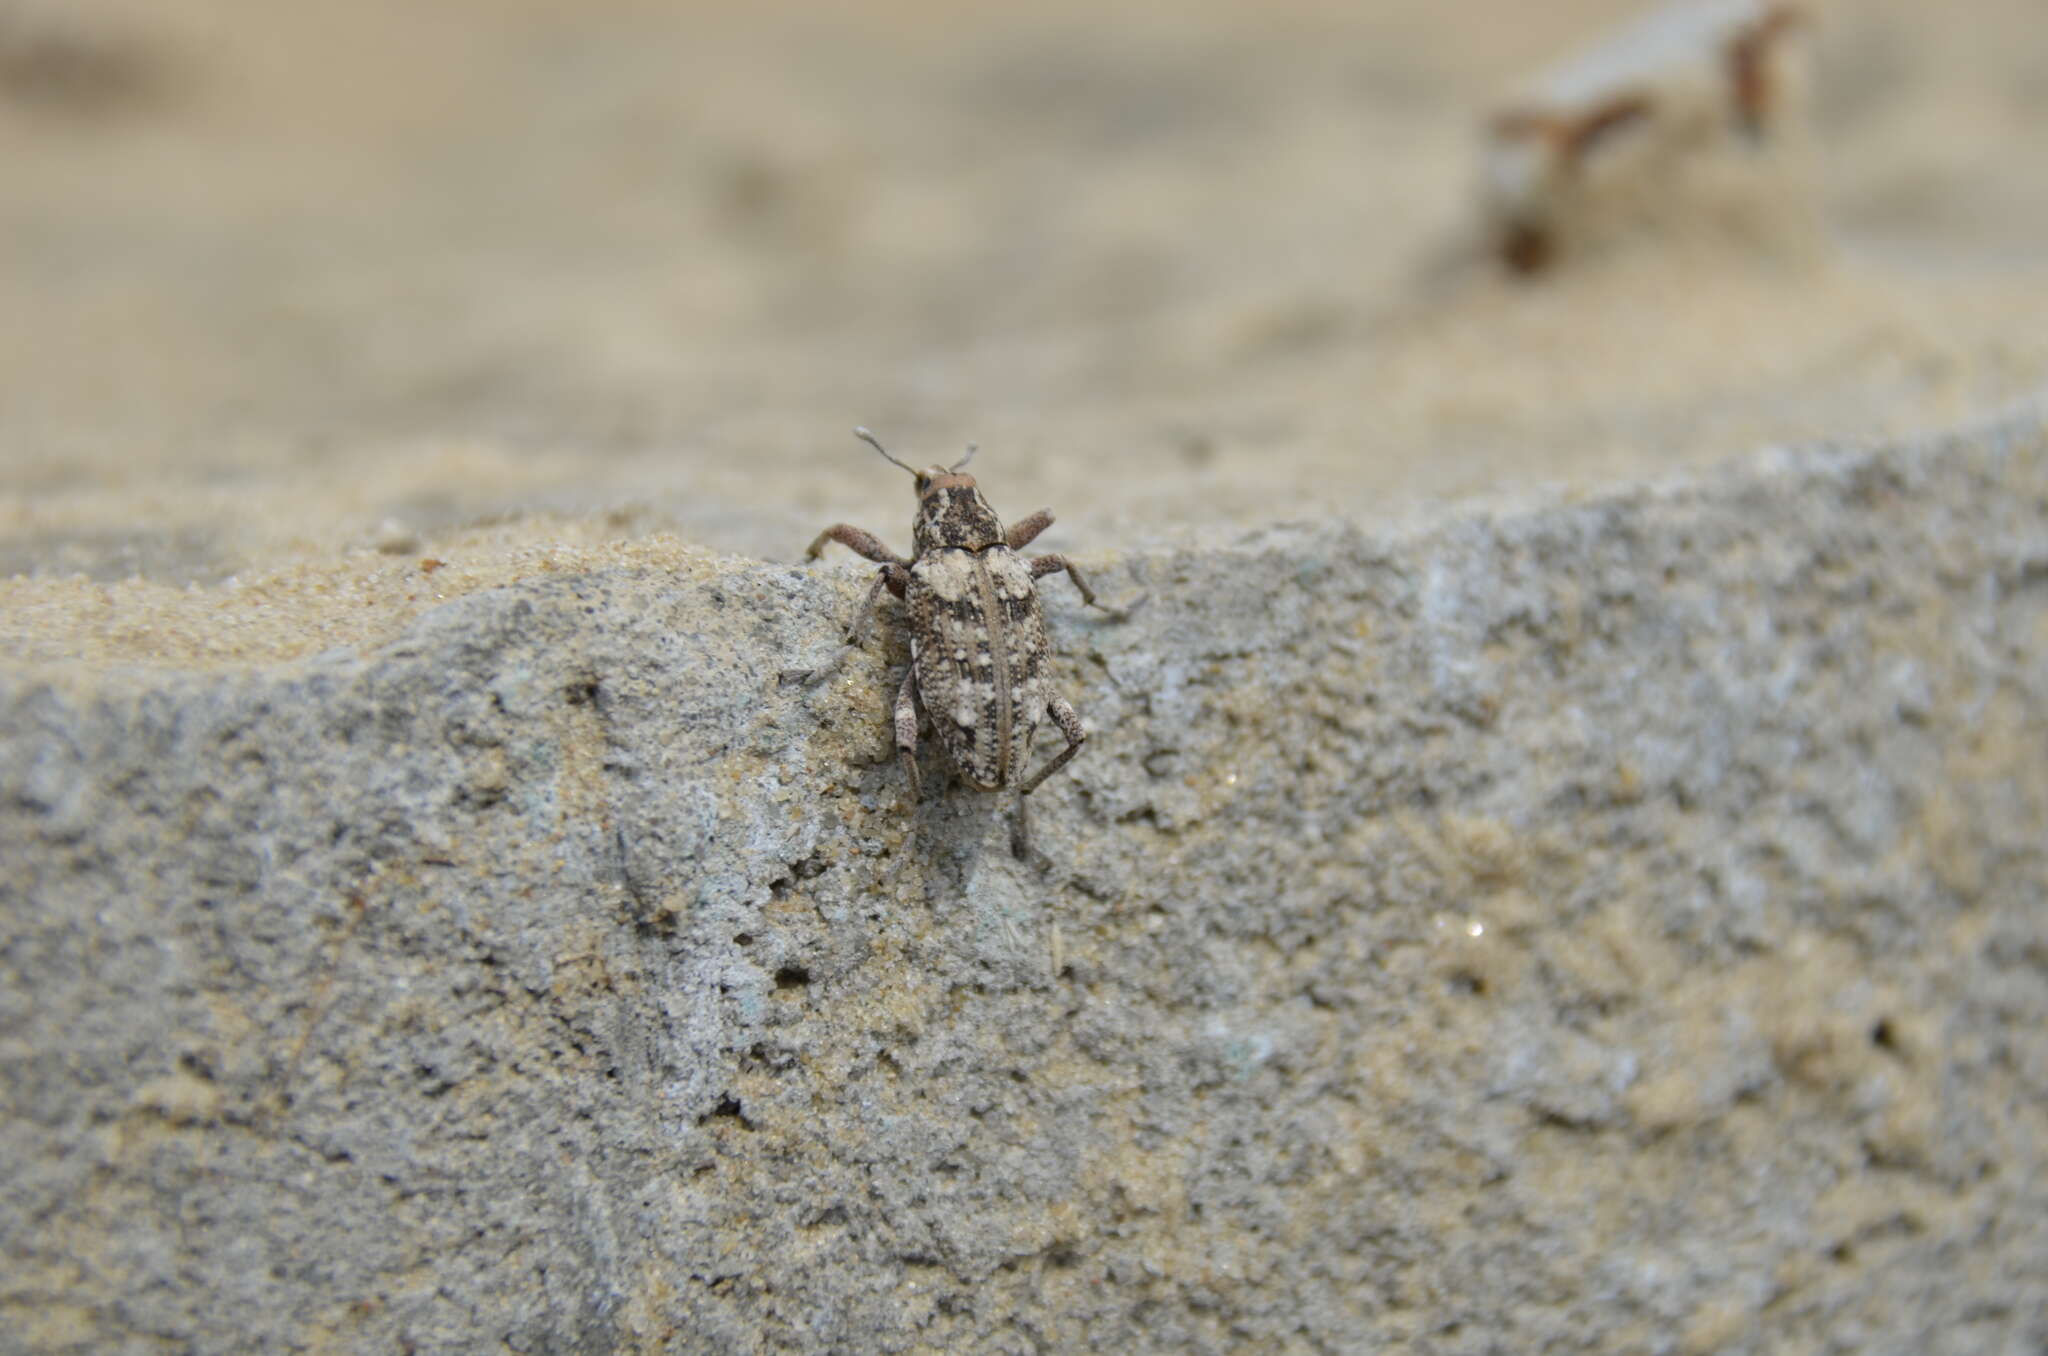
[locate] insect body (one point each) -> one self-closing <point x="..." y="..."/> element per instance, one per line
<point x="1693" y="111"/>
<point x="979" y="657"/>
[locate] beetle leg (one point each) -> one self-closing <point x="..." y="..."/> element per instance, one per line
<point x="892" y="576"/>
<point x="1044" y="565"/>
<point x="906" y="732"/>
<point x="857" y="540"/>
<point x="1020" y="830"/>
<point x="1070" y="726"/>
<point x="1021" y="532"/>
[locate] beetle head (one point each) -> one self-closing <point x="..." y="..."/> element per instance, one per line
<point x="950" y="510"/>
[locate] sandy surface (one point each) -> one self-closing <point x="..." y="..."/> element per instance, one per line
<point x="296" y="298"/>
<point x="1612" y="928"/>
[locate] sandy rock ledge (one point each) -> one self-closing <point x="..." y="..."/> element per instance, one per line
<point x="1613" y="927"/>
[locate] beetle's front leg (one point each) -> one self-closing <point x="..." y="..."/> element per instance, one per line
<point x="895" y="570"/>
<point x="858" y="540"/>
<point x="1024" y="529"/>
<point x="1044" y="565"/>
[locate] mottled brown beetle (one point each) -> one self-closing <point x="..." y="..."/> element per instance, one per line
<point x="979" y="660"/>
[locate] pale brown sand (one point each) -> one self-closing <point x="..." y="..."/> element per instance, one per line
<point x="531" y="286"/>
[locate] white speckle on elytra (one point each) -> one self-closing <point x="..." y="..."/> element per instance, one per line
<point x="963" y="715"/>
<point x="948" y="579"/>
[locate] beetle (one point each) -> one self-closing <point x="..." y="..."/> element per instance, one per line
<point x="1607" y="143"/>
<point x="979" y="658"/>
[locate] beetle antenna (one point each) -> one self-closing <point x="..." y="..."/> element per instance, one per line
<point x="972" y="448"/>
<point x="871" y="441"/>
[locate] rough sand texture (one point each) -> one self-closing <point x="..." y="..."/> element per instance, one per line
<point x="1615" y="927"/>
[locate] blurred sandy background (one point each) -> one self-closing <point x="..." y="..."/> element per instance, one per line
<point x="293" y="296"/>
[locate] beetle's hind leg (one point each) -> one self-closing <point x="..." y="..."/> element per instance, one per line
<point x="1020" y="830"/>
<point x="1070" y="726"/>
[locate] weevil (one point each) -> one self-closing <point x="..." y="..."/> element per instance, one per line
<point x="979" y="659"/>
